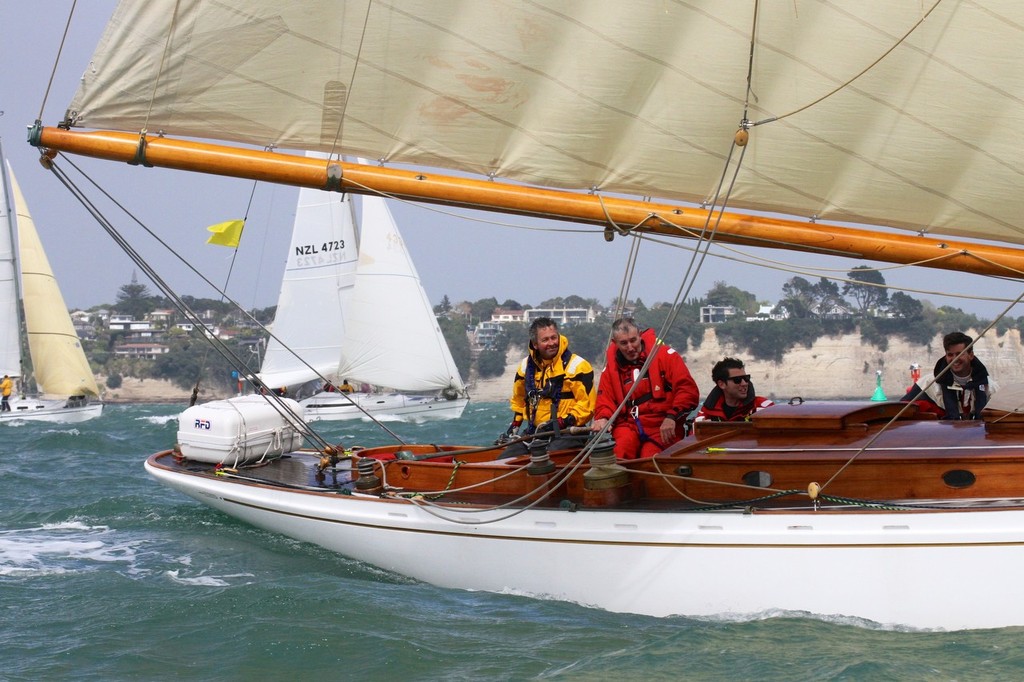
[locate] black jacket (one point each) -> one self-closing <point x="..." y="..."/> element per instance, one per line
<point x="950" y="395"/>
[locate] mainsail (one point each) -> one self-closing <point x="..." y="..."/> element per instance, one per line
<point x="59" y="363"/>
<point x="877" y="112"/>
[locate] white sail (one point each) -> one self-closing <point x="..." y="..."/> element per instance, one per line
<point x="58" y="361"/>
<point x="875" y="115"/>
<point x="308" y="327"/>
<point x="352" y="307"/>
<point x="10" y="322"/>
<point x="392" y="337"/>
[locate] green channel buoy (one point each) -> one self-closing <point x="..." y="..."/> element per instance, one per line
<point x="879" y="393"/>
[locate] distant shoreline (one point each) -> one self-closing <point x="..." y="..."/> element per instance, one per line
<point x="833" y="368"/>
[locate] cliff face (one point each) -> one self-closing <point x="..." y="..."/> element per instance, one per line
<point x="833" y="368"/>
<point x="844" y="367"/>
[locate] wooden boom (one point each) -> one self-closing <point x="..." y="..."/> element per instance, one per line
<point x="663" y="219"/>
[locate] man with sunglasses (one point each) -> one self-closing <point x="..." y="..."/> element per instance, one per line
<point x="656" y="396"/>
<point x="732" y="399"/>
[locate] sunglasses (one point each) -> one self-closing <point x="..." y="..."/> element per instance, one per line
<point x="740" y="379"/>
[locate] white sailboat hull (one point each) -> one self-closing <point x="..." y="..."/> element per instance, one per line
<point x="937" y="569"/>
<point x="334" y="406"/>
<point x="54" y="411"/>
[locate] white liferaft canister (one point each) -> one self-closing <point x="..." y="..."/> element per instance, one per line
<point x="239" y="430"/>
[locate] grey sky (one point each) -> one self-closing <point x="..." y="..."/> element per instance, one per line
<point x="465" y="259"/>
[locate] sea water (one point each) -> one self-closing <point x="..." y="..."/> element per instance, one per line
<point x="107" y="575"/>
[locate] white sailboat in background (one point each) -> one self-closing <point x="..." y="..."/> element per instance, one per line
<point x="352" y="308"/>
<point x="60" y="369"/>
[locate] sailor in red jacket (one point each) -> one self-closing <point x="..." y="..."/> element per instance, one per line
<point x="655" y="414"/>
<point x="732" y="399"/>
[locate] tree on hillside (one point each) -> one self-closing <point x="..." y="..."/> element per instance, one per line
<point x="575" y="301"/>
<point x="490" y="364"/>
<point x="134" y="299"/>
<point x="828" y="296"/>
<point x="454" y="332"/>
<point x="905" y="307"/>
<point x="950" y="319"/>
<point x="218" y="307"/>
<point x="264" y="315"/>
<point x="483" y="309"/>
<point x="867" y="289"/>
<point x="799" y="297"/>
<point x="512" y="304"/>
<point x="444" y="306"/>
<point x="589" y="341"/>
<point x="722" y="294"/>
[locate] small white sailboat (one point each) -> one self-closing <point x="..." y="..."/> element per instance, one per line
<point x="60" y="369"/>
<point x="352" y="308"/>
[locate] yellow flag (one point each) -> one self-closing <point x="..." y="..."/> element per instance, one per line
<point x="228" y="233"/>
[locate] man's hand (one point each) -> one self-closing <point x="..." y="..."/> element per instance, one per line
<point x="598" y="424"/>
<point x="509" y="432"/>
<point x="667" y="431"/>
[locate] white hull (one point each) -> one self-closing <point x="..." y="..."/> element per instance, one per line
<point x="952" y="570"/>
<point x="54" y="411"/>
<point x="334" y="406"/>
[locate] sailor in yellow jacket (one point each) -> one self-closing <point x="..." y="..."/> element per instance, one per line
<point x="553" y="387"/>
<point x="6" y="386"/>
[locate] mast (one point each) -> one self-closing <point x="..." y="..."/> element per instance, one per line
<point x="610" y="212"/>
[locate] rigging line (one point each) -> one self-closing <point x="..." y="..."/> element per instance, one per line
<point x="552" y="483"/>
<point x="177" y="301"/>
<point x="56" y="61"/>
<point x="227" y="279"/>
<point x="990" y="262"/>
<point x="160" y="68"/>
<point x="710" y="238"/>
<point x="466" y="488"/>
<point x="667" y="221"/>
<point x="867" y="68"/>
<point x="627" y="278"/>
<point x="750" y="59"/>
<point x="668" y="478"/>
<point x="895" y="448"/>
<point x="351" y="80"/>
<point x="213" y="286"/>
<point x="782" y="266"/>
<point x="697" y="259"/>
<point x="457" y="214"/>
<point x="947" y="368"/>
<point x="689" y="279"/>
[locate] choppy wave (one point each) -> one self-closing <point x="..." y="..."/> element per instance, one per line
<point x="208" y="580"/>
<point x="109" y="575"/>
<point x="60" y="548"/>
<point x="159" y="419"/>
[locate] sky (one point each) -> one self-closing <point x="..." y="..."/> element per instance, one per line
<point x="460" y="254"/>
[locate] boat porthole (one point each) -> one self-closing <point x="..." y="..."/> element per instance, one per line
<point x="757" y="479"/>
<point x="959" y="478"/>
<point x="404" y="471"/>
<point x="684" y="470"/>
